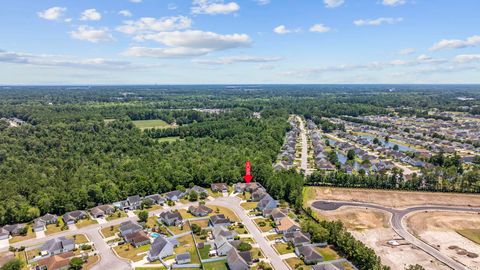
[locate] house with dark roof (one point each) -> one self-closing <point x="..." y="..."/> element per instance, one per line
<point x="183" y="258"/>
<point x="267" y="202"/>
<point x="40" y="223"/>
<point x="200" y="210"/>
<point x="297" y="238"/>
<point x="341" y="264"/>
<point x="74" y="216"/>
<point x="4" y="234"/>
<point x="174" y="196"/>
<point x="102" y="210"/>
<point x="170" y="218"/>
<point x="249" y="187"/>
<point x="224" y="232"/>
<point x="235" y="261"/>
<point x="258" y="195"/>
<point x="137" y="239"/>
<point x="199" y="190"/>
<point x="219" y="220"/>
<point x="134" y="202"/>
<point x="56" y="246"/>
<point x="276" y="213"/>
<point x="308" y="254"/>
<point x="155" y="199"/>
<point x="14" y="229"/>
<point x="219" y="187"/>
<point x="161" y="248"/>
<point x="129" y="227"/>
<point x="222" y="245"/>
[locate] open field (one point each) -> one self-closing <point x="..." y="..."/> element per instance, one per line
<point x="356" y="218"/>
<point x="30" y="234"/>
<point x="169" y="139"/>
<point x="145" y="124"/>
<point x="450" y="233"/>
<point x="127" y="251"/>
<point x="395" y="199"/>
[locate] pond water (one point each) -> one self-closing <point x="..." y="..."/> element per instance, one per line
<point x="401" y="148"/>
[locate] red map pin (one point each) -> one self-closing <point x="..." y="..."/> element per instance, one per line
<point x="248" y="177"/>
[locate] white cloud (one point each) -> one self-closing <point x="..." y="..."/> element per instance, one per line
<point x="213" y="7"/>
<point x="68" y="20"/>
<point x="237" y="59"/>
<point x="263" y="2"/>
<point x="319" y="28"/>
<point x="188" y="43"/>
<point x="136" y="1"/>
<point x="472" y="41"/>
<point x="92" y="34"/>
<point x="377" y="22"/>
<point x="467" y="58"/>
<point x="333" y="3"/>
<point x="90" y="15"/>
<point x="148" y="25"/>
<point x="62" y="61"/>
<point x="172" y="6"/>
<point x="52" y="14"/>
<point x="407" y="51"/>
<point x="393" y="3"/>
<point x="125" y="13"/>
<point x="281" y="29"/>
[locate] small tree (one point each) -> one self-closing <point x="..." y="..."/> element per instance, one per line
<point x="143" y="216"/>
<point x="351" y="154"/>
<point x="146" y="203"/>
<point x="244" y="246"/>
<point x="193" y="196"/>
<point x="76" y="263"/>
<point x="13" y="264"/>
<point x="395" y="147"/>
<point x="196" y="229"/>
<point x="415" y="267"/>
<point x="203" y="195"/>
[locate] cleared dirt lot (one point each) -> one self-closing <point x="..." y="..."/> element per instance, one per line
<point x="396" y="199"/>
<point x="439" y="228"/>
<point x="356" y="218"/>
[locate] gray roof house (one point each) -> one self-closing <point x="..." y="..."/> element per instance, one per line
<point x="276" y="213"/>
<point x="235" y="261"/>
<point x="135" y="202"/>
<point x="219" y="187"/>
<point x="200" y="210"/>
<point x="160" y="248"/>
<point x="129" y="227"/>
<point x="155" y="199"/>
<point x="222" y="245"/>
<point x="222" y="231"/>
<point x="183" y="258"/>
<point x="174" y="195"/>
<point x="57" y="245"/>
<point x="198" y="190"/>
<point x="171" y="218"/>
<point x="102" y="210"/>
<point x="297" y="238"/>
<point x="258" y="195"/>
<point x="308" y="254"/>
<point x="14" y="229"/>
<point x="72" y="217"/>
<point x="4" y="234"/>
<point x="267" y="202"/>
<point x="219" y="220"/>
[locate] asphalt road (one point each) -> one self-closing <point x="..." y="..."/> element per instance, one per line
<point x="399" y="227"/>
<point x="233" y="203"/>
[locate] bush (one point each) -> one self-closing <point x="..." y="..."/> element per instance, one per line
<point x="244" y="246"/>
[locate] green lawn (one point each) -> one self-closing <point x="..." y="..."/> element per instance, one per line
<point x="204" y="251"/>
<point x="30" y="234"/>
<point x="249" y="205"/>
<point x="471" y="234"/>
<point x="274" y="236"/>
<point x="117" y="214"/>
<point x="54" y="228"/>
<point x="283" y="248"/>
<point x="295" y="263"/>
<point x="169" y="139"/>
<point x="145" y="124"/>
<point x="110" y="231"/>
<point x="328" y="253"/>
<point x="267" y="227"/>
<point x="85" y="222"/>
<point x="127" y="251"/>
<point x="187" y="245"/>
<point x="219" y="265"/>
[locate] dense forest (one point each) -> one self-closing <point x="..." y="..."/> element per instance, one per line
<point x="79" y="146"/>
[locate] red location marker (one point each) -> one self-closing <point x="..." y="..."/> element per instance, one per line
<point x="248" y="177"/>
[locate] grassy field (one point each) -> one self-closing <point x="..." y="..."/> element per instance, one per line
<point x="187" y="245"/>
<point x="127" y="251"/>
<point x="53" y="228"/>
<point x="151" y="222"/>
<point x="179" y="230"/>
<point x="85" y="222"/>
<point x="91" y="261"/>
<point x="471" y="234"/>
<point x="295" y="263"/>
<point x="267" y="226"/>
<point x="219" y="265"/>
<point x="274" y="236"/>
<point x="109" y="231"/>
<point x="245" y="196"/>
<point x="30" y="234"/>
<point x="79" y="238"/>
<point x="283" y="248"/>
<point x="117" y="214"/>
<point x="327" y="253"/>
<point x="249" y="205"/>
<point x="204" y="251"/>
<point x="203" y="223"/>
<point x="227" y="212"/>
<point x="169" y="139"/>
<point x="145" y="124"/>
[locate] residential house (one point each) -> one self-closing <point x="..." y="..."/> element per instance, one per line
<point x="102" y="210"/>
<point x="198" y="190"/>
<point x="183" y="258"/>
<point x="171" y="218"/>
<point x="308" y="254"/>
<point x="129" y="227"/>
<point x="219" y="187"/>
<point x="56" y="246"/>
<point x="276" y="213"/>
<point x="4" y="234"/>
<point x="297" y="238"/>
<point x="40" y="224"/>
<point x="200" y="210"/>
<point x="138" y="238"/>
<point x="74" y="216"/>
<point x="174" y="196"/>
<point x="267" y="202"/>
<point x="286" y="225"/>
<point x="155" y="199"/>
<point x="224" y="232"/>
<point x="219" y="220"/>
<point x="134" y="202"/>
<point x="161" y="248"/>
<point x="222" y="245"/>
<point x="14" y="229"/>
<point x="235" y="261"/>
<point x="249" y="187"/>
<point x="258" y="195"/>
<point x="55" y="262"/>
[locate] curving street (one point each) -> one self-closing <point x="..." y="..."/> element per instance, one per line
<point x="399" y="227"/>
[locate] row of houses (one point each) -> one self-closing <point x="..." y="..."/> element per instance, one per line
<point x="287" y="155"/>
<point x="320" y="156"/>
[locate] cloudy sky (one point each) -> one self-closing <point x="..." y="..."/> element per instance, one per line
<point x="239" y="41"/>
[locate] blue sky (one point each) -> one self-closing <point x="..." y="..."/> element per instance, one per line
<point x="239" y="41"/>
